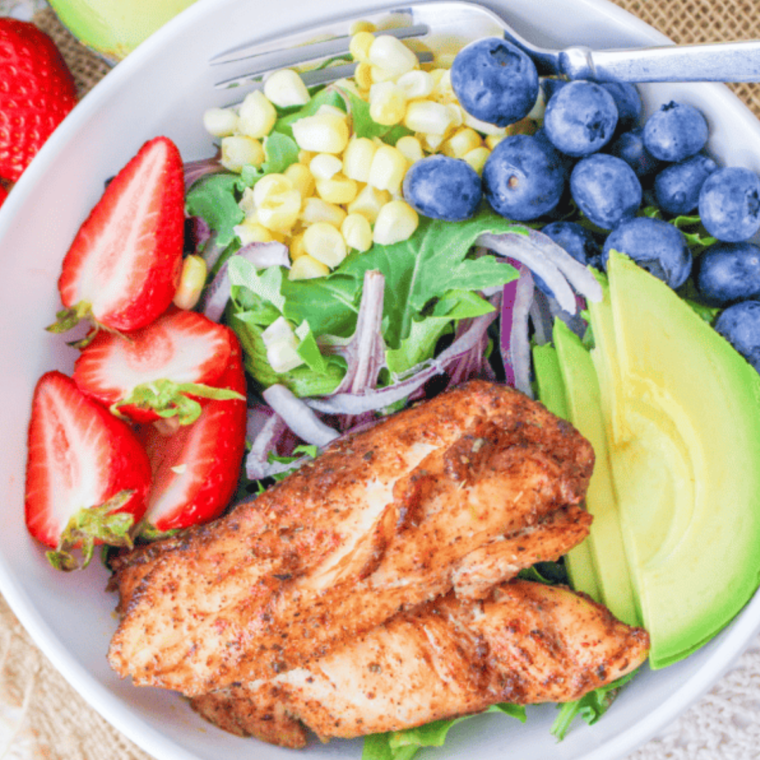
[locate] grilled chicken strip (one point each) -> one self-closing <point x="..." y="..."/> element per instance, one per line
<point x="383" y="521"/>
<point x="526" y="643"/>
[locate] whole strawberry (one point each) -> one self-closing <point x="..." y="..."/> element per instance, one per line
<point x="36" y="92"/>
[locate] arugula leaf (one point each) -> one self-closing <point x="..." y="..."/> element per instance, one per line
<point x="280" y="150"/>
<point x="430" y="264"/>
<point x="298" y="453"/>
<point x="404" y="745"/>
<point x="363" y="123"/>
<point x="590" y="707"/>
<point x="549" y="573"/>
<point x="214" y="198"/>
<point x="696" y="235"/>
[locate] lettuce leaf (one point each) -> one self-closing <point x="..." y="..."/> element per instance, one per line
<point x="215" y="199"/>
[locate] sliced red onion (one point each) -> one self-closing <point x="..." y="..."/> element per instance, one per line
<point x="298" y="416"/>
<point x="261" y="255"/>
<point x="194" y="170"/>
<point x="514" y="341"/>
<point x="574" y="321"/>
<point x="199" y="233"/>
<point x="474" y="363"/>
<point x="541" y="318"/>
<point x="264" y="429"/>
<point x="522" y="249"/>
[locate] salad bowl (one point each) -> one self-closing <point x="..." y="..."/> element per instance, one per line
<point x="163" y="88"/>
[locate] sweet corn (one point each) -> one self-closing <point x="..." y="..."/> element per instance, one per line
<point x="428" y="117"/>
<point x="462" y="142"/>
<point x="191" y="282"/>
<point x="324" y="132"/>
<point x="277" y="202"/>
<point x="347" y="84"/>
<point x="387" y="169"/>
<point x="257" y="115"/>
<point x="324" y="242"/>
<point x="477" y="158"/>
<point x="392" y="55"/>
<point x="305" y="156"/>
<point x="493" y="140"/>
<point x="337" y="189"/>
<point x="443" y="92"/>
<point x="302" y="179"/>
<point x="325" y="165"/>
<point x="432" y="143"/>
<point x="251" y="231"/>
<point x="239" y="150"/>
<point x="380" y="75"/>
<point x="410" y="147"/>
<point x="368" y="202"/>
<point x="387" y="103"/>
<point x="220" y="122"/>
<point x="482" y="126"/>
<point x="362" y="26"/>
<point x="357" y="158"/>
<point x="285" y="88"/>
<point x="456" y="113"/>
<point x="357" y="232"/>
<point x="317" y="210"/>
<point x="416" y="84"/>
<point x="307" y="268"/>
<point x="326" y="108"/>
<point x="396" y="221"/>
<point x="360" y="44"/>
<point x="295" y="248"/>
<point x="282" y="346"/>
<point x="363" y="76"/>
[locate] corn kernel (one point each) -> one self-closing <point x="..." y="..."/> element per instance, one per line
<point x="461" y="142"/>
<point x="240" y="150"/>
<point x="317" y="210"/>
<point x="396" y="221"/>
<point x="337" y="189"/>
<point x="307" y="268"/>
<point x="482" y="126"/>
<point x="380" y="75"/>
<point x="324" y="242"/>
<point x="456" y="113"/>
<point x="220" y="122"/>
<point x="282" y="346"/>
<point x="493" y="140"/>
<point x="296" y="248"/>
<point x="433" y="142"/>
<point x="191" y="282"/>
<point x="334" y="110"/>
<point x="410" y="147"/>
<point x="357" y="158"/>
<point x="257" y="115"/>
<point x="389" y="53"/>
<point x="357" y="232"/>
<point x="347" y="84"/>
<point x="477" y="158"/>
<point x="387" y="103"/>
<point x="360" y="44"/>
<point x="322" y="133"/>
<point x="428" y="116"/>
<point x="368" y="203"/>
<point x="305" y="156"/>
<point x="251" y="231"/>
<point x="362" y="26"/>
<point x="363" y="76"/>
<point x="325" y="165"/>
<point x="416" y="84"/>
<point x="285" y="88"/>
<point x="443" y="92"/>
<point x="388" y="169"/>
<point x="302" y="179"/>
<point x="277" y="202"/>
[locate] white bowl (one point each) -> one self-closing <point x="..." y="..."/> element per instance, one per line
<point x="163" y="88"/>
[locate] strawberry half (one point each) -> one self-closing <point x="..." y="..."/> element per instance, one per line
<point x="196" y="469"/>
<point x="87" y="475"/>
<point x="159" y="370"/>
<point x="123" y="267"/>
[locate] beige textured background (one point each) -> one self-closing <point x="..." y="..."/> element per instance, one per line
<point x="42" y="717"/>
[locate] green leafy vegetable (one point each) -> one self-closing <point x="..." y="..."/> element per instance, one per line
<point x="280" y="150"/>
<point x="365" y="126"/>
<point x="691" y="226"/>
<point x="215" y="199"/>
<point x="327" y="97"/>
<point x="549" y="573"/>
<point x="298" y="453"/>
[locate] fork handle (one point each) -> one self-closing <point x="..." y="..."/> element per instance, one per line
<point x="721" y="62"/>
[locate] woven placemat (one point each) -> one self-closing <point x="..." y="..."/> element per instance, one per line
<point x="41" y="716"/>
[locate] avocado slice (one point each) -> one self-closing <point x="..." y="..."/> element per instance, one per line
<point x="605" y="540"/>
<point x="683" y="430"/>
<point x="551" y="392"/>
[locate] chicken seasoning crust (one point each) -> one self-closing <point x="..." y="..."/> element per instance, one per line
<point x="411" y="526"/>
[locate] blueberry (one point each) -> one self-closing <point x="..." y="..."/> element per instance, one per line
<point x="523" y="178"/>
<point x="729" y="272"/>
<point x="630" y="147"/>
<point x="675" y="132"/>
<point x="605" y="189"/>
<point x="576" y="240"/>
<point x="740" y="326"/>
<point x="550" y="85"/>
<point x="580" y="118"/>
<point x="677" y="187"/>
<point x="654" y="245"/>
<point x="628" y="103"/>
<point x="494" y="81"/>
<point x="443" y="188"/>
<point x="729" y="204"/>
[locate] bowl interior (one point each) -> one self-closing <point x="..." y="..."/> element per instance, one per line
<point x="163" y="88"/>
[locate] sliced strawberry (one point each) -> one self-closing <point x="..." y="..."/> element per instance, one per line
<point x="124" y="265"/>
<point x="159" y="370"/>
<point x="87" y="475"/>
<point x="196" y="469"/>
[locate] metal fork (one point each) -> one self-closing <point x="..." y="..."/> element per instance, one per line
<point x="438" y="26"/>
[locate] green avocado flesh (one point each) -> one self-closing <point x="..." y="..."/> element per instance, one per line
<point x="676" y="431"/>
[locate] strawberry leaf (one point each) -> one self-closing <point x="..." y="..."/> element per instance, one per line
<point x="68" y="318"/>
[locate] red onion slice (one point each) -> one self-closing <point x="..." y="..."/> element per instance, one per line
<point x="299" y="417"/>
<point x="514" y="341"/>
